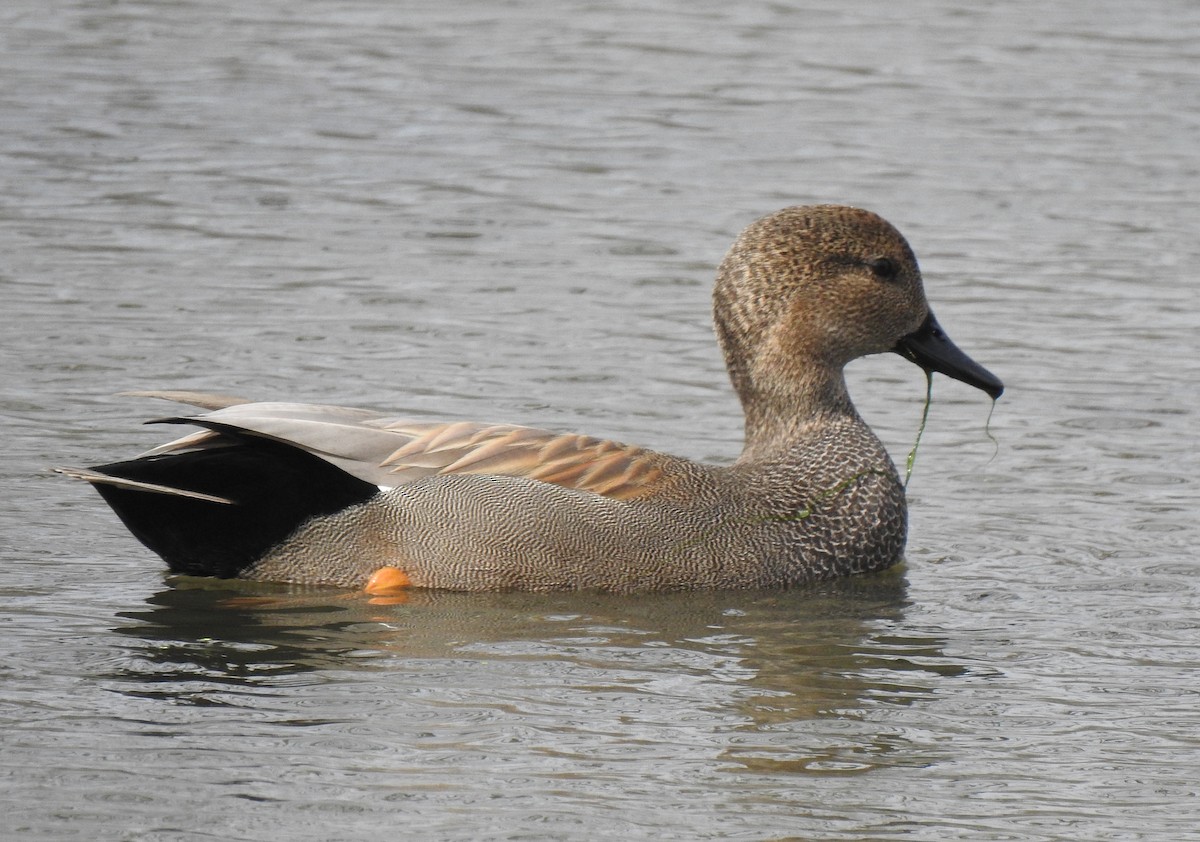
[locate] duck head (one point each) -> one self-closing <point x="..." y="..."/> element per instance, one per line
<point x="805" y="290"/>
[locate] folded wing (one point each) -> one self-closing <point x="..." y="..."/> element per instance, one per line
<point x="387" y="452"/>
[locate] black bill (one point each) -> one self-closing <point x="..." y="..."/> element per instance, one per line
<point x="929" y="347"/>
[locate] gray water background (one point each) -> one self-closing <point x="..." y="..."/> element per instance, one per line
<point x="512" y="211"/>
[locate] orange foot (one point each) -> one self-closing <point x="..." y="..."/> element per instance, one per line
<point x="387" y="581"/>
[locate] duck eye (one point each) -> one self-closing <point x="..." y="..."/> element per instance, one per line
<point x="884" y="268"/>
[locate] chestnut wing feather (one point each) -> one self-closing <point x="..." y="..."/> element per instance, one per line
<point x="388" y="451"/>
<point x="585" y="463"/>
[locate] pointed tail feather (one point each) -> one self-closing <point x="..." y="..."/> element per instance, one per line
<point x="216" y="511"/>
<point x="97" y="478"/>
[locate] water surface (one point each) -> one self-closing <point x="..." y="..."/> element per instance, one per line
<point x="513" y="212"/>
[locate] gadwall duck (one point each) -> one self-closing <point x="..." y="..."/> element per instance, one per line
<point x="329" y="495"/>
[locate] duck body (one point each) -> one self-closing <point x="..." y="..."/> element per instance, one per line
<point x="689" y="526"/>
<point x="330" y="495"/>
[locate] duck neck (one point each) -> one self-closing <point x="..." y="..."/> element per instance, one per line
<point x="777" y="419"/>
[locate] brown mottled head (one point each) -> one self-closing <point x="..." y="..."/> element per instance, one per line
<point x="806" y="290"/>
<point x="817" y="285"/>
